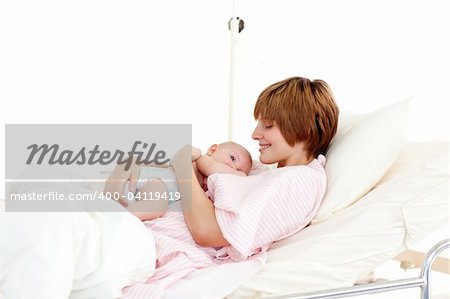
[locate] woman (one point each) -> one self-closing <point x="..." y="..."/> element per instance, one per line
<point x="297" y="119"/>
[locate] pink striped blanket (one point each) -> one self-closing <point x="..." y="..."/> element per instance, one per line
<point x="252" y="212"/>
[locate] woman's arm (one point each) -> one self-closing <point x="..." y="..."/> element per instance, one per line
<point x="200" y="217"/>
<point x="199" y="211"/>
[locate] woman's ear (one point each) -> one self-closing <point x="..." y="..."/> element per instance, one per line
<point x="212" y="149"/>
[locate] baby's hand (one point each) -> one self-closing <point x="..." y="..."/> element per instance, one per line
<point x="206" y="165"/>
<point x="196" y="153"/>
<point x="240" y="173"/>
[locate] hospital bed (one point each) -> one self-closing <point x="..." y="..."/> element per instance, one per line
<point x="387" y="217"/>
<point x="329" y="259"/>
<point x="394" y="196"/>
<point x="423" y="282"/>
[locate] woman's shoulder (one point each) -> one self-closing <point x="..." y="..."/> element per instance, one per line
<point x="312" y="173"/>
<point x="316" y="166"/>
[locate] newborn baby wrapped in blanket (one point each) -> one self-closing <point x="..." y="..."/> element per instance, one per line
<point x="252" y="212"/>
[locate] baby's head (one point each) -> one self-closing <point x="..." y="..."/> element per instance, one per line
<point x="232" y="154"/>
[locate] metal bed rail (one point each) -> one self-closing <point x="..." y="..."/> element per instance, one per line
<point x="423" y="281"/>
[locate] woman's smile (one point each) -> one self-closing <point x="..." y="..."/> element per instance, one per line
<point x="263" y="146"/>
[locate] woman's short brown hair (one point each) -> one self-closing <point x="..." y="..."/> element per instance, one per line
<point x="304" y="110"/>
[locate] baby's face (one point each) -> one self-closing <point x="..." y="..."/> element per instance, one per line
<point x="235" y="156"/>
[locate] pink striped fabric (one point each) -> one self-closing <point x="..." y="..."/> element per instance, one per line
<point x="252" y="212"/>
<point x="255" y="211"/>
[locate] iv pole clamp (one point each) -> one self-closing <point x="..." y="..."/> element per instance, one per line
<point x="240" y="24"/>
<point x="235" y="26"/>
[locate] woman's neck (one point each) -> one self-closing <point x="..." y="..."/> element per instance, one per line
<point x="295" y="163"/>
<point x="301" y="158"/>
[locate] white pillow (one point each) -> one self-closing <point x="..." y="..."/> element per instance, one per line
<point x="363" y="149"/>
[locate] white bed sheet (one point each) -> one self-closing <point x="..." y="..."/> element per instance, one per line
<point x="72" y="254"/>
<point x="214" y="282"/>
<point x="410" y="201"/>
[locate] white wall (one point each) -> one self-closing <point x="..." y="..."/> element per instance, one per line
<point x="168" y="62"/>
<point x="372" y="53"/>
<point x="115" y="62"/>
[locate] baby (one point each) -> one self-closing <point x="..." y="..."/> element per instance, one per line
<point x="227" y="157"/>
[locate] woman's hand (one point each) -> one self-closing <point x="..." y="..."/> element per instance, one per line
<point x="115" y="183"/>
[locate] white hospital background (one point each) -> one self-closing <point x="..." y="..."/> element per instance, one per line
<point x="169" y="61"/>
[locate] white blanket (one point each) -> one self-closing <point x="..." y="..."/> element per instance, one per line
<point x="72" y="254"/>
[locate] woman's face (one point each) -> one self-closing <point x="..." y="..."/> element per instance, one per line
<point x="274" y="148"/>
